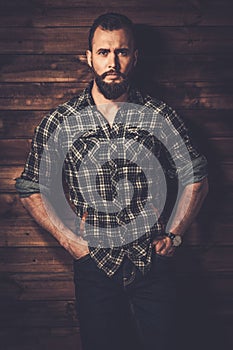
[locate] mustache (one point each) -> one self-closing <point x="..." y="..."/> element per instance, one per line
<point x="122" y="75"/>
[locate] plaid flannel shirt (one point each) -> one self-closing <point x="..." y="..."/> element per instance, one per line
<point x="119" y="220"/>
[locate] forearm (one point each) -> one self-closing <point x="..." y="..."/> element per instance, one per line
<point x="43" y="213"/>
<point x="188" y="207"/>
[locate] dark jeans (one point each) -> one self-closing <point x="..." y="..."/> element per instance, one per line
<point x="128" y="311"/>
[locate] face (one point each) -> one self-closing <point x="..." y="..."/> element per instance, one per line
<point x="112" y="60"/>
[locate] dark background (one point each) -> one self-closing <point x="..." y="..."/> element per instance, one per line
<point x="187" y="62"/>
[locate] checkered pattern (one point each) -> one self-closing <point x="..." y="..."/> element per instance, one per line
<point x="110" y="172"/>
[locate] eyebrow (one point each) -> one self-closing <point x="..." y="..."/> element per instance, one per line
<point x="102" y="49"/>
<point x="123" y="49"/>
<point x="116" y="50"/>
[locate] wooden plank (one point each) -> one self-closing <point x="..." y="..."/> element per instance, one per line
<point x="37" y="95"/>
<point x="56" y="259"/>
<point x="112" y="3"/>
<point x="45" y="338"/>
<point x="8" y="176"/>
<point x="20" y="286"/>
<point x="203" y="232"/>
<point x="218" y="198"/>
<point x="197" y="95"/>
<point x="211" y="259"/>
<point x="84" y="17"/>
<point x="15" y="151"/>
<point x="44" y="96"/>
<point x="72" y="13"/>
<point x="218" y="147"/>
<point x="73" y="68"/>
<point x="19" y="124"/>
<point x="220" y="286"/>
<point x="23" y="231"/>
<point x="72" y="3"/>
<point x="44" y="68"/>
<point x="179" y="40"/>
<point x="43" y="41"/>
<point x="11" y="207"/>
<point x="38" y="314"/>
<point x="207" y="123"/>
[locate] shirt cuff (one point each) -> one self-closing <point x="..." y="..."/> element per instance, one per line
<point x="195" y="171"/>
<point x="26" y="188"/>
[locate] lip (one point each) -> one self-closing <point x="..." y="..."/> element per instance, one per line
<point x="113" y="76"/>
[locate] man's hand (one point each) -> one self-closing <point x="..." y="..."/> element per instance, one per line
<point x="163" y="246"/>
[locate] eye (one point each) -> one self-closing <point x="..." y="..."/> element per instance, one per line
<point x="102" y="52"/>
<point x="123" y="52"/>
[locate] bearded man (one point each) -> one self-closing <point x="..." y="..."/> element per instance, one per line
<point x="111" y="140"/>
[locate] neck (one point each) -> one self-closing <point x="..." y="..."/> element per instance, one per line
<point x="107" y="107"/>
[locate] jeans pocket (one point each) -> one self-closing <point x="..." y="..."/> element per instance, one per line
<point x="164" y="257"/>
<point x="82" y="259"/>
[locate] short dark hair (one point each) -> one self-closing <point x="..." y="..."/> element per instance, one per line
<point x="111" y="21"/>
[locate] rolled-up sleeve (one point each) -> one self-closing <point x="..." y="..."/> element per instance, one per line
<point x="29" y="181"/>
<point x="195" y="171"/>
<point x="26" y="188"/>
<point x="185" y="160"/>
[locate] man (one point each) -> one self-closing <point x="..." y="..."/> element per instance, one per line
<point x="111" y="142"/>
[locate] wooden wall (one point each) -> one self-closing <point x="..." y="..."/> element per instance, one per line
<point x="42" y="63"/>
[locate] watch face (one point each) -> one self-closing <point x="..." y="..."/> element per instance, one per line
<point x="177" y="240"/>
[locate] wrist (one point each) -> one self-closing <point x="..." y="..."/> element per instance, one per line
<point x="175" y="238"/>
<point x="67" y="238"/>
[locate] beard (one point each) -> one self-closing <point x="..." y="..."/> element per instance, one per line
<point x="111" y="91"/>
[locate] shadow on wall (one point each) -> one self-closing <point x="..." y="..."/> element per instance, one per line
<point x="149" y="44"/>
<point x="198" y="323"/>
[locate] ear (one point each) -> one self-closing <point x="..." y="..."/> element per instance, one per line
<point x="89" y="60"/>
<point x="135" y="57"/>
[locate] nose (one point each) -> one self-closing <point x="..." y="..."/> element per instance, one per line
<point x="113" y="62"/>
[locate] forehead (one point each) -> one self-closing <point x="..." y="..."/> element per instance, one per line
<point x="114" y="38"/>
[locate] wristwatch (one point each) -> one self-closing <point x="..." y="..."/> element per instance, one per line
<point x="176" y="239"/>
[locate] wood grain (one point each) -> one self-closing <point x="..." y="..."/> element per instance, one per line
<point x="39" y="314"/>
<point x="182" y="40"/>
<point x="82" y="13"/>
<point x="187" y="62"/>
